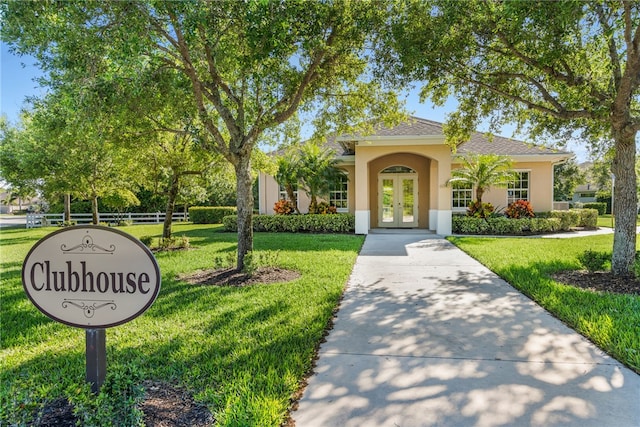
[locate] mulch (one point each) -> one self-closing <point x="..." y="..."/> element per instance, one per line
<point x="233" y="277"/>
<point x="600" y="281"/>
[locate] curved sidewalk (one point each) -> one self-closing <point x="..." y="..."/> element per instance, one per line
<point x="427" y="336"/>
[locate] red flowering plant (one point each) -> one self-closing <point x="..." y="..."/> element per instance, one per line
<point x="283" y="207"/>
<point x="520" y="209"/>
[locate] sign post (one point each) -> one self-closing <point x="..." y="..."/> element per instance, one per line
<point x="96" y="355"/>
<point x="91" y="277"/>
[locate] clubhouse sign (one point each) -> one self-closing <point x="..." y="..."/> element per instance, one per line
<point x="91" y="277"/>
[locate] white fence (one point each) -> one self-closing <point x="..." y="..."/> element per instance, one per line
<point x="35" y="220"/>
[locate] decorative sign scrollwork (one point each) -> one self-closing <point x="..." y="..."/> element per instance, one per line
<point x="87" y="246"/>
<point x="89" y="309"/>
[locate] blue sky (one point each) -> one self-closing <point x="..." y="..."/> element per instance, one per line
<point x="17" y="74"/>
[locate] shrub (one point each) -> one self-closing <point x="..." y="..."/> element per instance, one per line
<point x="210" y="214"/>
<point x="312" y="223"/>
<point x="284" y="207"/>
<point x="117" y="402"/>
<point x="181" y="242"/>
<point x="480" y="209"/>
<point x="325" y="208"/>
<point x="588" y="218"/>
<point x="568" y="219"/>
<point x="146" y="240"/>
<point x="594" y="260"/>
<point x="173" y="242"/>
<point x="604" y="197"/>
<point x="601" y="207"/>
<point x="520" y="209"/>
<point x="503" y="226"/>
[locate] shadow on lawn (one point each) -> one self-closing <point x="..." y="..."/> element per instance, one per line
<point x="229" y="358"/>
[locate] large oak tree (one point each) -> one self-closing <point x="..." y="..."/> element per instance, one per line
<point x="555" y="68"/>
<point x="250" y="64"/>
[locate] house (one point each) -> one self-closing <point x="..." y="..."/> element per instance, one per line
<point x="396" y="178"/>
<point x="586" y="193"/>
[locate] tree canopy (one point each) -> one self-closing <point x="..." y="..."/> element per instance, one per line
<point x="249" y="66"/>
<point x="561" y="69"/>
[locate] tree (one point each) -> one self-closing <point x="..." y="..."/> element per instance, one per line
<point x="552" y="68"/>
<point x="250" y="65"/>
<point x="76" y="150"/>
<point x="566" y="177"/>
<point x="318" y="172"/>
<point x="288" y="175"/>
<point x="483" y="171"/>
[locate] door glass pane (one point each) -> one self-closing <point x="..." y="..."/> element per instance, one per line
<point x="407" y="200"/>
<point x="387" y="200"/>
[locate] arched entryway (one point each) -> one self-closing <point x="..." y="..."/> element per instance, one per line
<point x="399" y="193"/>
<point x="398" y="197"/>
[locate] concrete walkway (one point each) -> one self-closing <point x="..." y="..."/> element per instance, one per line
<point x="427" y="336"/>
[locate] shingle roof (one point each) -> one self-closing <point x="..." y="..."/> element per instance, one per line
<point x="479" y="143"/>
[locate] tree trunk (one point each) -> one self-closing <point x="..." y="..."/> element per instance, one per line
<point x="292" y="197"/>
<point x="67" y="208"/>
<point x="171" y="204"/>
<point x="94" y="210"/>
<point x="625" y="204"/>
<point x="245" y="207"/>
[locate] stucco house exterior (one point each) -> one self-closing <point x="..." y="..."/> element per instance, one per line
<point x="396" y="178"/>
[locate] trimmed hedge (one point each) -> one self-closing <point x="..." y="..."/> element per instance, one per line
<point x="311" y="223"/>
<point x="576" y="218"/>
<point x="499" y="225"/>
<point x="601" y="207"/>
<point x="210" y="214"/>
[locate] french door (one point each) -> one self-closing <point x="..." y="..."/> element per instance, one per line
<point x="397" y="200"/>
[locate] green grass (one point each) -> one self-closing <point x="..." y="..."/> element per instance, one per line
<point x="611" y="321"/>
<point x="606" y="221"/>
<point x="241" y="351"/>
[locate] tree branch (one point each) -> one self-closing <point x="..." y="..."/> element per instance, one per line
<point x="196" y="85"/>
<point x="559" y="114"/>
<point x="613" y="49"/>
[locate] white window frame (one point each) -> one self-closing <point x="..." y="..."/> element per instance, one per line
<point x="344" y="192"/>
<point x="467" y="190"/>
<point x="515" y="193"/>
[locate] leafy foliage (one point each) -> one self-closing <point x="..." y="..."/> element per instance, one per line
<point x="480" y="209"/>
<point x="594" y="260"/>
<point x="483" y="171"/>
<point x="519" y="209"/>
<point x="557" y="69"/>
<point x="600" y="207"/>
<point x="566" y="177"/>
<point x="247" y="67"/>
<point x="504" y="226"/>
<point x="210" y="214"/>
<point x="284" y="207"/>
<point x="311" y="223"/>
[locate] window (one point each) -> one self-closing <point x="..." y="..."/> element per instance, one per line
<point x="461" y="195"/>
<point x="282" y="193"/>
<point x="518" y="189"/>
<point x="338" y="196"/>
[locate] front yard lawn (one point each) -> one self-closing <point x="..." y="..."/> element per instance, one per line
<point x="611" y="321"/>
<point x="241" y="351"/>
<point x="606" y="221"/>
